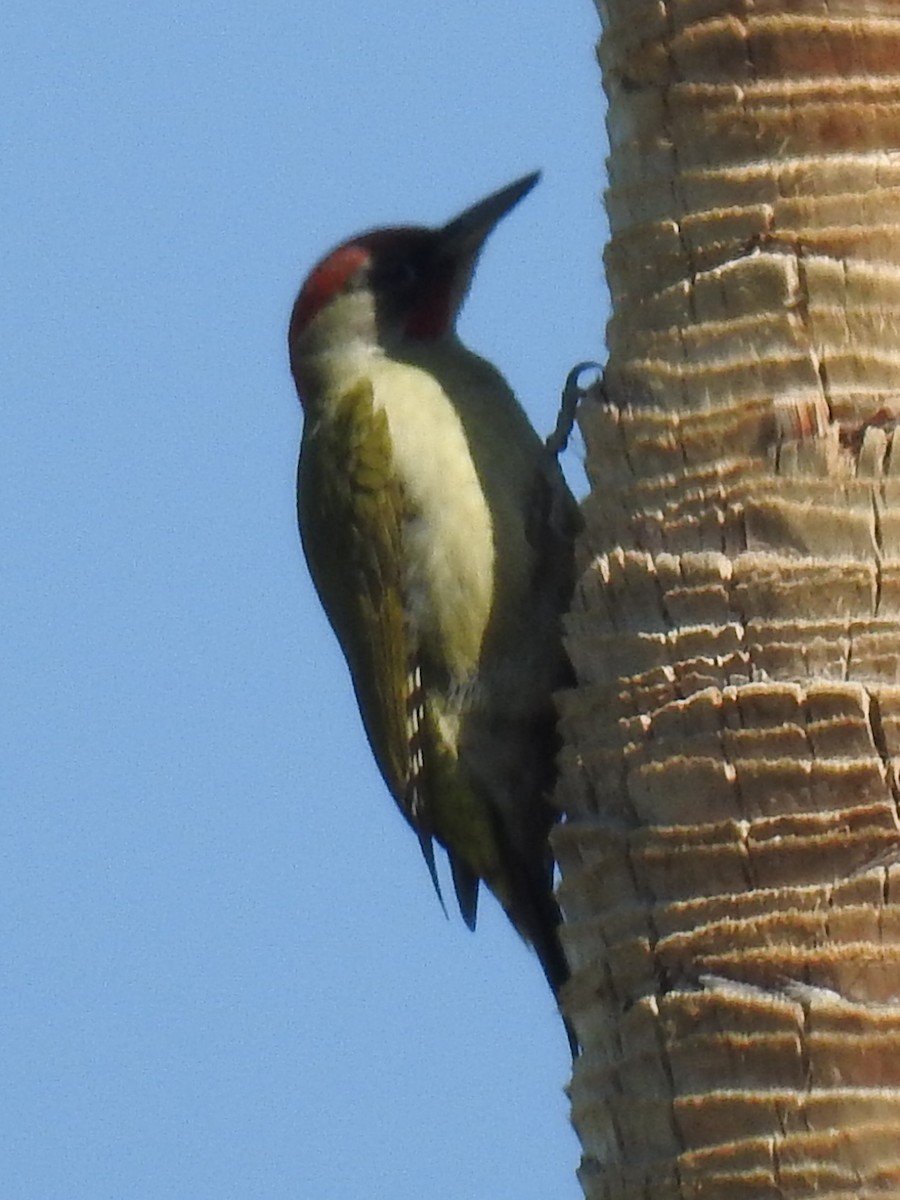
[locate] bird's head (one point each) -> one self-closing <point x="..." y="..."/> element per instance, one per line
<point x="388" y="287"/>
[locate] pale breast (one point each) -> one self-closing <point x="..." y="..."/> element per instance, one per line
<point x="450" y="539"/>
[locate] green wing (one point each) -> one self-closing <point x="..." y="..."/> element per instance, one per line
<point x="352" y="510"/>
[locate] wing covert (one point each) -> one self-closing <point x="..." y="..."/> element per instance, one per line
<point x="352" y="510"/>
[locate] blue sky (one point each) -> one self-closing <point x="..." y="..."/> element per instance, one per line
<point x="224" y="971"/>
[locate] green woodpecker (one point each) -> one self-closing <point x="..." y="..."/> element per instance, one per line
<point x="438" y="531"/>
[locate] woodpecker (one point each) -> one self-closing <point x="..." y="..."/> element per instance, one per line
<point x="439" y="534"/>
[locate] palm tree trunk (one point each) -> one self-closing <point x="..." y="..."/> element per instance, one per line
<point x="731" y="857"/>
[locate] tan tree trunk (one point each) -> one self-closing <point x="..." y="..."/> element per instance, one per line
<point x="731" y="862"/>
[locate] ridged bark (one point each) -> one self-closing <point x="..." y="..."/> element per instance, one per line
<point x="731" y="862"/>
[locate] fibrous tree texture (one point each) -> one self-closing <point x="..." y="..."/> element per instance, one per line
<point x="731" y="859"/>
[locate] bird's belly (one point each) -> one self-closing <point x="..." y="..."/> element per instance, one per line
<point x="448" y="534"/>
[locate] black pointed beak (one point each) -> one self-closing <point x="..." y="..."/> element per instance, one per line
<point x="463" y="237"/>
<point x="445" y="261"/>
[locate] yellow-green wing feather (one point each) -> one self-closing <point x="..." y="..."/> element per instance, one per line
<point x="352" y="510"/>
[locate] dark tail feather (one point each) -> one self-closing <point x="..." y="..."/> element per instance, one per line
<point x="428" y="853"/>
<point x="541" y="929"/>
<point x="466" y="884"/>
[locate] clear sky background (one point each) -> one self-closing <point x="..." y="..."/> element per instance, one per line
<point x="224" y="973"/>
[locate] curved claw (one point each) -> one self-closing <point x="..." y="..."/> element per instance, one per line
<point x="572" y="394"/>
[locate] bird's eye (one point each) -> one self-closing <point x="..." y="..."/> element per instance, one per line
<point x="396" y="275"/>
